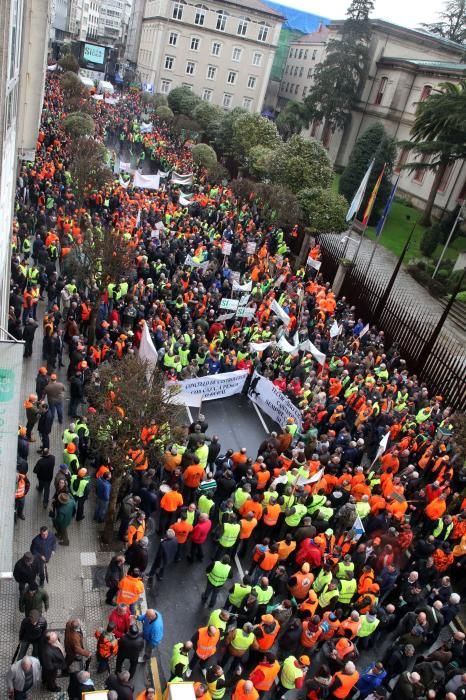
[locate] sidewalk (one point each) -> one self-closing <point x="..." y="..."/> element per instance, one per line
<point x="73" y="571"/>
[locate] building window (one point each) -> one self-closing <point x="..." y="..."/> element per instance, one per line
<point x="169" y="61"/>
<point x="165" y="86"/>
<point x="305" y="54"/>
<point x="221" y="20"/>
<point x="301" y="51"/>
<point x="446" y="178"/>
<point x="207" y="95"/>
<point x="211" y="72"/>
<point x="290" y="55"/>
<point x="173" y="39"/>
<point x="263" y="31"/>
<point x="231" y="78"/>
<point x="426" y="91"/>
<point x="309" y="73"/>
<point x="247" y="103"/>
<point x="381" y="90"/>
<point x="190" y="67"/>
<point x="296" y="88"/>
<point x="178" y="10"/>
<point x="243" y="26"/>
<point x="296" y="70"/>
<point x="314" y="54"/>
<point x="419" y="175"/>
<point x="215" y="50"/>
<point x="194" y="46"/>
<point x="326" y="134"/>
<point x="286" y="70"/>
<point x="188" y="86"/>
<point x="304" y="90"/>
<point x="199" y="17"/>
<point x="301" y="70"/>
<point x="315" y="126"/>
<point x="256" y="59"/>
<point x="252" y="80"/>
<point x="227" y="100"/>
<point x="402" y="159"/>
<point x="236" y="54"/>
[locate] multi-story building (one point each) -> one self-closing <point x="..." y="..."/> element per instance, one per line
<point x="405" y="65"/>
<point x="24" y="32"/>
<point x="224" y="50"/>
<point x="103" y="21"/>
<point x="59" y="23"/>
<point x="134" y="31"/>
<point x="303" y="56"/>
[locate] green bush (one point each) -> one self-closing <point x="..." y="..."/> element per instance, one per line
<point x="182" y="100"/>
<point x="164" y="113"/>
<point x="204" y="155"/>
<point x="461" y="297"/>
<point x="431" y="238"/>
<point x="442" y="275"/>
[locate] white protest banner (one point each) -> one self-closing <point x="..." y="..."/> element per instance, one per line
<point x="184" y="202"/>
<point x="251" y="247"/>
<point x="52" y="67"/>
<point x="246" y="287"/>
<point x="277" y="309"/>
<point x="159" y="225"/>
<point x="163" y="175"/>
<point x="111" y="100"/>
<point x="302" y="480"/>
<point x="97" y="97"/>
<point x="178" y="179"/>
<point x="272" y="401"/>
<point x="146" y="127"/>
<point x="147" y="182"/>
<point x="226" y="248"/>
<point x="334" y="330"/>
<point x="11" y="367"/>
<point x="314" y="263"/>
<point x="243" y="300"/>
<point x="285" y="346"/>
<point x="364" y="330"/>
<point x="229" y="304"/>
<point x="259" y="347"/>
<point x="125" y="166"/>
<point x="147" y="349"/>
<point x="282" y="479"/>
<point x="123" y="183"/>
<point x="310" y="347"/>
<point x="235" y="276"/>
<point x="193" y="263"/>
<point x="186" y="195"/>
<point x="245" y="312"/>
<point x="215" y="386"/>
<point x="225" y="317"/>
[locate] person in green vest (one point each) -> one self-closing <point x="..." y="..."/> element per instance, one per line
<point x="328" y="596"/>
<point x="293" y="673"/>
<point x="229" y="534"/>
<point x="179" y="662"/>
<point x="79" y="486"/>
<point x="264" y="593"/>
<point x="218" y="573"/>
<point x="293" y="516"/>
<point x="205" y="503"/>
<point x="219" y="618"/>
<point x="369" y="623"/>
<point x="70" y="457"/>
<point x="323" y="578"/>
<point x="344" y="567"/>
<point x="70" y="434"/>
<point x="347" y="589"/>
<point x="216" y="682"/>
<point x="238" y="593"/>
<point x="238" y="644"/>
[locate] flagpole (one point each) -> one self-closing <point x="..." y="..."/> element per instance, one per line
<point x="384" y="219"/>
<point x="368" y="212"/>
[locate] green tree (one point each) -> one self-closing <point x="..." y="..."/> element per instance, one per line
<point x="250" y="130"/>
<point x="324" y="211"/>
<point x="337" y="79"/>
<point x="117" y="422"/>
<point x="278" y="205"/>
<point x="164" y="113"/>
<point x="204" y="156"/>
<point x="292" y="120"/>
<point x="182" y="100"/>
<point x="223" y="138"/>
<point x="430" y="239"/>
<point x="78" y="124"/>
<point x="438" y="136"/>
<point x="260" y="158"/>
<point x="373" y="143"/>
<point x="69" y="63"/>
<point x="452" y="22"/>
<point x="206" y="115"/>
<point x="301" y="163"/>
<point x="87" y="168"/>
<point x="72" y="88"/>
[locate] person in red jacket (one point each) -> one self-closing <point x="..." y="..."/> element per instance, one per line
<point x="121" y="618"/>
<point x="198" y="537"/>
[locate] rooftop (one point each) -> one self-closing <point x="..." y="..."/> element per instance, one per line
<point x="298" y="20"/>
<point x="259" y="6"/>
<point x="317" y="37"/>
<point x="430" y="65"/>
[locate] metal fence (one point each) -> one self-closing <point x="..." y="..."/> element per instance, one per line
<point x="404" y="322"/>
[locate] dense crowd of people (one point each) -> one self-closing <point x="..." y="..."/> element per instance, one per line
<point x="350" y="527"/>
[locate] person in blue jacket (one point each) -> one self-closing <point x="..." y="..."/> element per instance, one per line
<point x="371" y="678"/>
<point x="152" y="631"/>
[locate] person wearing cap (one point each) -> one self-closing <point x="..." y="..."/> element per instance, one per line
<point x="266" y="633"/>
<point x="137" y="555"/>
<point x="79" y="487"/>
<point x="55" y="393"/>
<point x="293" y="673"/>
<point x="130" y="646"/>
<point x="65" y="510"/>
<point x="41" y="382"/>
<point x="408" y="686"/>
<point x="70" y="457"/>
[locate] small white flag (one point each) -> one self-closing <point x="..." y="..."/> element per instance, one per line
<point x="364" y="330"/>
<point x="334" y="330"/>
<point x="277" y="309"/>
<point x="147" y="350"/>
<point x="359" y="196"/>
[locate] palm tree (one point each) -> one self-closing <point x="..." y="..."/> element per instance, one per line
<point x="438" y="136"/>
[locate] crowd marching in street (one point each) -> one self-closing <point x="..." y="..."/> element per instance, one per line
<point x="349" y="525"/>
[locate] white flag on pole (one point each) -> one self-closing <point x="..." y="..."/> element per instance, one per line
<point x="383" y="444"/>
<point x="358" y="528"/>
<point x="147" y="350"/>
<point x="316" y="264"/>
<point x="359" y="196"/>
<point x="277" y="309"/>
<point x="364" y="330"/>
<point x="334" y="330"/>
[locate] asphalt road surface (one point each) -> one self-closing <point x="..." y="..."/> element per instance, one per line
<point x="178" y="595"/>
